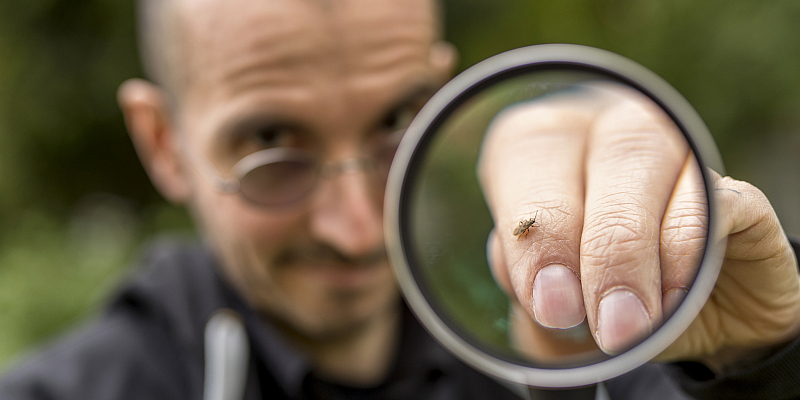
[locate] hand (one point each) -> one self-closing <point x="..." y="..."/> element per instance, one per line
<point x="755" y="305"/>
<point x="621" y="223"/>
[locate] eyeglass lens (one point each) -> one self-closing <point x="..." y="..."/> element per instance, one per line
<point x="287" y="181"/>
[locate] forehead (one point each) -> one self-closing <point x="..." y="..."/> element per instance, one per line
<point x="235" y="46"/>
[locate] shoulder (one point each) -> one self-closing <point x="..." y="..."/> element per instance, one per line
<point x="110" y="358"/>
<point x="146" y="345"/>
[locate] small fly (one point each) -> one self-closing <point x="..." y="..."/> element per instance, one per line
<point x="525" y="225"/>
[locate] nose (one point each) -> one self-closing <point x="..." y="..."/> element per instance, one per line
<point x="348" y="213"/>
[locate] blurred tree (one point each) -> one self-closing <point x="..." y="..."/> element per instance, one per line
<point x="58" y="103"/>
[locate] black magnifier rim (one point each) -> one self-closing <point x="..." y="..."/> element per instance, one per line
<point x="540" y="59"/>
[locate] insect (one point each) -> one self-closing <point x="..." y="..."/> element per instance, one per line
<point x="525" y="225"/>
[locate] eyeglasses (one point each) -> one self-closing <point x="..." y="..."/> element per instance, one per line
<point x="280" y="177"/>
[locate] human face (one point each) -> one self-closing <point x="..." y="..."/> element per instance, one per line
<point x="333" y="79"/>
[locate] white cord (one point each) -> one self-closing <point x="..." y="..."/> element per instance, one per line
<point x="227" y="357"/>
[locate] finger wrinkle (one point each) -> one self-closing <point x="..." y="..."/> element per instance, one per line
<point x="774" y="233"/>
<point x="638" y="149"/>
<point x="620" y="198"/>
<point x="678" y="220"/>
<point x="689" y="204"/>
<point x="553" y="205"/>
<point x="615" y="229"/>
<point x="683" y="233"/>
<point x="554" y="250"/>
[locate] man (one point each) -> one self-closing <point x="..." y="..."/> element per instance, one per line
<point x="274" y="122"/>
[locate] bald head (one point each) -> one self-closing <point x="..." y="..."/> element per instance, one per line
<point x="162" y="29"/>
<point x="158" y="44"/>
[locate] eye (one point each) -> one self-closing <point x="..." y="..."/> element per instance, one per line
<point x="399" y="118"/>
<point x="273" y="136"/>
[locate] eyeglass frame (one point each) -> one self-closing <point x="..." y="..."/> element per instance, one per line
<point x="249" y="163"/>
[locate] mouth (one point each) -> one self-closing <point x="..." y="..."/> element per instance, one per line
<point x="343" y="276"/>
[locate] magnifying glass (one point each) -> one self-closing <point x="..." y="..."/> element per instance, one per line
<point x="536" y="155"/>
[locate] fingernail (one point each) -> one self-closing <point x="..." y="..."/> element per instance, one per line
<point x="557" y="298"/>
<point x="672" y="299"/>
<point x="621" y="321"/>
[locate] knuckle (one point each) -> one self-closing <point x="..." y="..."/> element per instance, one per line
<point x="610" y="238"/>
<point x="634" y="147"/>
<point x="636" y="117"/>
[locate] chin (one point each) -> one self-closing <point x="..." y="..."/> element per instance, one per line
<point x="338" y="313"/>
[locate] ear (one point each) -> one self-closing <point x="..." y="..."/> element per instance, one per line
<point x="443" y="59"/>
<point x="147" y="118"/>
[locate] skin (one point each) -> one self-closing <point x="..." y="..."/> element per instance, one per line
<point x="307" y="74"/>
<point x="622" y="214"/>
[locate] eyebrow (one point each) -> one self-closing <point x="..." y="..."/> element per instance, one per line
<point x="238" y="128"/>
<point x="422" y="89"/>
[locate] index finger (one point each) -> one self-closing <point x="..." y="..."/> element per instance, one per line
<point x="531" y="167"/>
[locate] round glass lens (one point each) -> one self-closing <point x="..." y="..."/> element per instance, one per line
<point x="279" y="183"/>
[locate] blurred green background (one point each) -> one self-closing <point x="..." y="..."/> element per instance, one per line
<point x="75" y="205"/>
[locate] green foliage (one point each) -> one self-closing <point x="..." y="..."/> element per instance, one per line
<point x="54" y="271"/>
